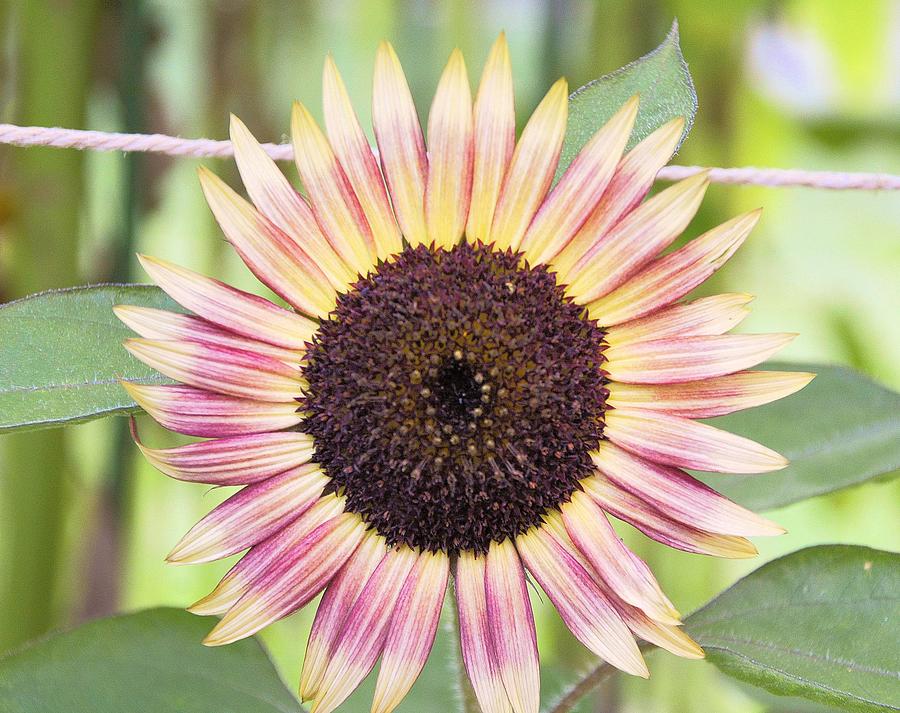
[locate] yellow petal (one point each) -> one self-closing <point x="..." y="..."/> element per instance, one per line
<point x="495" y="139"/>
<point x="449" y="185"/>
<point x="632" y="179"/>
<point x="532" y="168"/>
<point x="276" y="198"/>
<point x="581" y="186"/>
<point x="400" y="143"/>
<point x="352" y="148"/>
<point x="333" y="201"/>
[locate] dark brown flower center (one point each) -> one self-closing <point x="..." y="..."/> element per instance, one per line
<point x="454" y="396"/>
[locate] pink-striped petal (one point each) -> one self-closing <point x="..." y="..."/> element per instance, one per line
<point x="161" y="324"/>
<point x="332" y="199"/>
<point x="332" y="611"/>
<point x="612" y="561"/>
<point x="232" y="372"/>
<point x="672" y="276"/>
<point x="269" y="556"/>
<point x="572" y="200"/>
<point x="276" y="199"/>
<point x="363" y="636"/>
<point x="710" y="397"/>
<point x="531" y="170"/>
<point x="272" y="256"/>
<point x="475" y="634"/>
<point x="678" y="495"/>
<point x="448" y="188"/>
<point x="196" y="412"/>
<point x="672" y="440"/>
<point x="630" y="183"/>
<point x="230" y="308"/>
<point x="412" y="630"/>
<point x="495" y="139"/>
<point x="352" y="149"/>
<point x="582" y="605"/>
<point x="400" y="143"/>
<point x="658" y="526"/>
<point x="293" y="582"/>
<point x="679" y="359"/>
<point x="239" y="460"/>
<point x="667" y="636"/>
<point x="708" y="315"/>
<point x="250" y="516"/>
<point x="511" y="624"/>
<point x="638" y="238"/>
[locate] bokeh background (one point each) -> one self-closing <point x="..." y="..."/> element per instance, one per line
<point x="85" y="524"/>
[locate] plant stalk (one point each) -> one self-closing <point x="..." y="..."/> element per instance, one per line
<point x="589" y="683"/>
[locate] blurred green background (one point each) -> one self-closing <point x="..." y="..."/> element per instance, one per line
<point x="85" y="524"/>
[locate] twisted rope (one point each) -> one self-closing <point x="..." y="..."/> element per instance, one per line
<point x="209" y="148"/>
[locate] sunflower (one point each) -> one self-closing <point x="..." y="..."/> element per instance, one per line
<point x="476" y="368"/>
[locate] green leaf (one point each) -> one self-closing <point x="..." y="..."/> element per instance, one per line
<point x="841" y="430"/>
<point x="821" y="623"/>
<point x="149" y="661"/>
<point x="61" y="355"/>
<point x="660" y="77"/>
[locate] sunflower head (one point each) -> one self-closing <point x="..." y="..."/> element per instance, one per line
<point x="475" y="367"/>
<point x="455" y="396"/>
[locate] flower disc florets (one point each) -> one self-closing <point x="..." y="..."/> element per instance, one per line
<point x="454" y="396"/>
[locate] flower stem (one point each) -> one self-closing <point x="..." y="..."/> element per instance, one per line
<point x="589" y="682"/>
<point x="466" y="693"/>
<point x="581" y="688"/>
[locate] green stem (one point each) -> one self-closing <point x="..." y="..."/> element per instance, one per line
<point x="587" y="684"/>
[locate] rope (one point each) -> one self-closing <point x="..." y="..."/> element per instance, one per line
<point x="209" y="148"/>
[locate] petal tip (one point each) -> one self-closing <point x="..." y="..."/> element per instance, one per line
<point x="145" y="259"/>
<point x="561" y="85"/>
<point x="134" y="390"/>
<point x="206" y="174"/>
<point x="133" y="346"/>
<point x="299" y="112"/>
<point x="778" y="529"/>
<point x="677" y="123"/>
<point x="385" y="53"/>
<point x="204" y="606"/>
<point x="212" y="640"/>
<point x="123" y="312"/>
<point x="177" y="555"/>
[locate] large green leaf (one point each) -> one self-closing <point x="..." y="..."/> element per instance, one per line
<point x="151" y="661"/>
<point x="841" y="430"/>
<point x="660" y="77"/>
<point x="822" y="623"/>
<point x="61" y="355"/>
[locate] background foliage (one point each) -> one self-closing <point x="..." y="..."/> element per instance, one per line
<point x="84" y="524"/>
